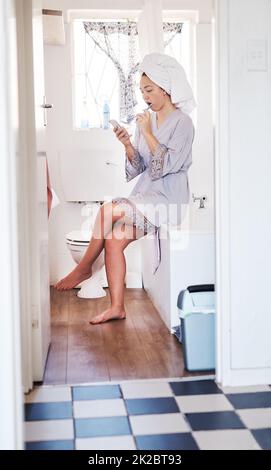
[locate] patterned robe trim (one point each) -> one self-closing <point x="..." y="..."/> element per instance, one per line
<point x="157" y="162"/>
<point x="137" y="163"/>
<point x="131" y="211"/>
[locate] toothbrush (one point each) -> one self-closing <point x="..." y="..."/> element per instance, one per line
<point x="146" y="109"/>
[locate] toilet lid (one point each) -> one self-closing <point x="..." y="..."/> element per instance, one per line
<point x="78" y="237"/>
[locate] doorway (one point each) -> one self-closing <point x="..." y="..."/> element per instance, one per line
<point x="72" y="341"/>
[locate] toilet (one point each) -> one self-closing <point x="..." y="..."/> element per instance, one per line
<point x="77" y="242"/>
<point x="88" y="180"/>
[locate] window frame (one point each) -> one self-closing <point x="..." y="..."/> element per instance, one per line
<point x="85" y="15"/>
<point x="190" y="17"/>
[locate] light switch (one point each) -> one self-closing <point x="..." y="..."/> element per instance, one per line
<point x="257" y="54"/>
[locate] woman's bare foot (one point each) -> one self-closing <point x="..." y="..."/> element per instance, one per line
<point x="78" y="275"/>
<point x="109" y="314"/>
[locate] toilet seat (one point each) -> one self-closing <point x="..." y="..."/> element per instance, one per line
<point x="77" y="243"/>
<point x="78" y="237"/>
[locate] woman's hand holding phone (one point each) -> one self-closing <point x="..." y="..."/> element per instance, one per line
<point x="121" y="133"/>
<point x="114" y="123"/>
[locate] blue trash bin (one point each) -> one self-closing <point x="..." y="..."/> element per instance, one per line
<point x="196" y="306"/>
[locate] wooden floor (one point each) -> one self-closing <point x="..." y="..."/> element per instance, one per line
<point x="136" y="348"/>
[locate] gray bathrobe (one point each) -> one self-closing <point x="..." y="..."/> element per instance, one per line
<point x="163" y="185"/>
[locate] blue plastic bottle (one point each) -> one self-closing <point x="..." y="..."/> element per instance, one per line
<point x="106" y="115"/>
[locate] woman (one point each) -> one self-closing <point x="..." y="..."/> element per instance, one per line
<point x="161" y="153"/>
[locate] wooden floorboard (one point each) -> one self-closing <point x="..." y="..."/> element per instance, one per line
<point x="135" y="348"/>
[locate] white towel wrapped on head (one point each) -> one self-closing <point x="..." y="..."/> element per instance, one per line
<point x="169" y="75"/>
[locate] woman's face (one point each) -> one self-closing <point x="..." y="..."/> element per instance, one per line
<point x="152" y="94"/>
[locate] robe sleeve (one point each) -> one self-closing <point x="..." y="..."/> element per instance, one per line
<point x="137" y="165"/>
<point x="171" y="158"/>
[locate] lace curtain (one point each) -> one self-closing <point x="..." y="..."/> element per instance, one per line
<point x="119" y="41"/>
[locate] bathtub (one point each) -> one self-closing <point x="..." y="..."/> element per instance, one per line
<point x="187" y="258"/>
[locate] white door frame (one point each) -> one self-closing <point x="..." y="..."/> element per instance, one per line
<point x="25" y="205"/>
<point x="11" y="435"/>
<point x="33" y="204"/>
<point x="222" y="200"/>
<point x="11" y="393"/>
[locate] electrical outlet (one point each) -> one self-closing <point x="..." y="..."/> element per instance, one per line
<point x="257" y="55"/>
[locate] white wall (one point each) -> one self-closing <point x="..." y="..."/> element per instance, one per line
<point x="61" y="136"/>
<point x="244" y="202"/>
<point x="204" y="7"/>
<point x="186" y="259"/>
<point x="11" y="391"/>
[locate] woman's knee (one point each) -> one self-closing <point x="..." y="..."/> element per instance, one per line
<point x="110" y="210"/>
<point x="105" y="209"/>
<point x="119" y="238"/>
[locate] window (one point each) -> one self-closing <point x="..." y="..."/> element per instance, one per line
<point x="105" y="52"/>
<point x="180" y="47"/>
<point x="99" y="77"/>
<point x="183" y="47"/>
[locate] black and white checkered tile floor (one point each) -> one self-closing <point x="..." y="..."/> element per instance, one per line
<point x="148" y="415"/>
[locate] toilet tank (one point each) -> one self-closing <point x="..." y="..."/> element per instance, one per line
<point x="89" y="175"/>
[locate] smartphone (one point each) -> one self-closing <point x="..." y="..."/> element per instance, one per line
<point x="114" y="123"/>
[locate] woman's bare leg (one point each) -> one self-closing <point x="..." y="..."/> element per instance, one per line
<point x="116" y="269"/>
<point x="106" y="218"/>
